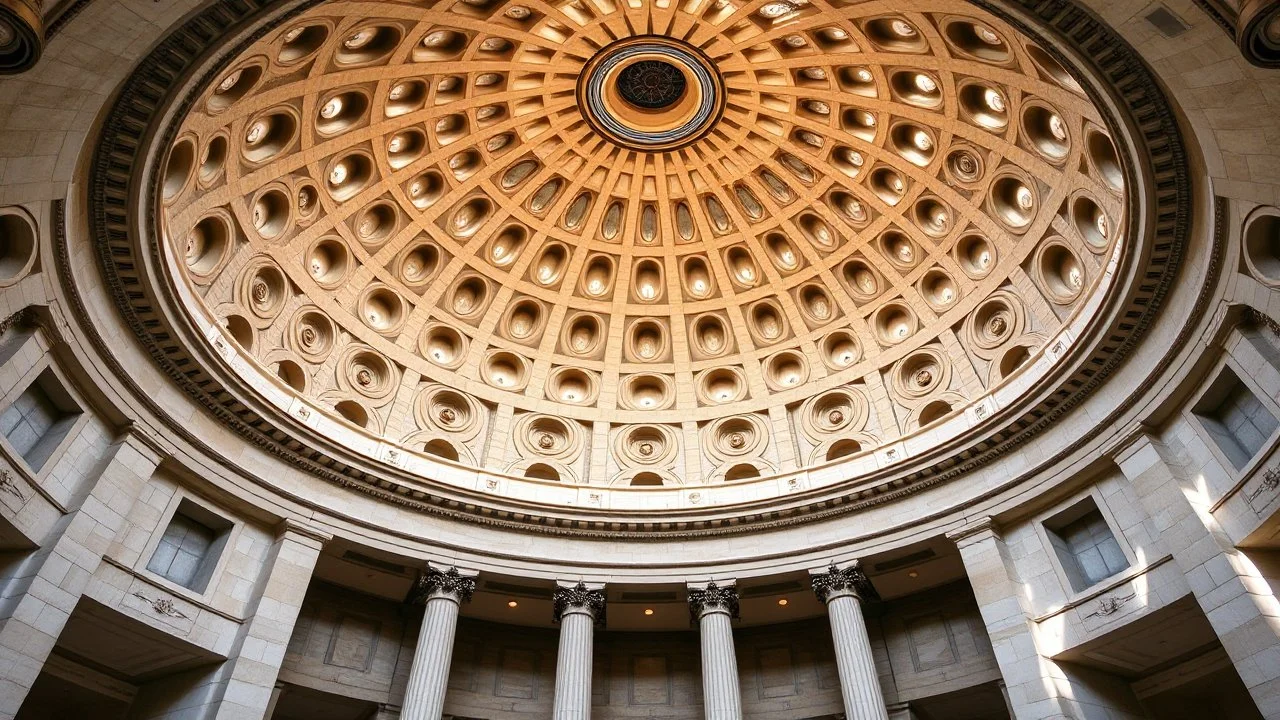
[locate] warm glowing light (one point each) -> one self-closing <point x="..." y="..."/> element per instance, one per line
<point x="913" y="574"/>
<point x="513" y="604"/>
<point x="783" y="602"/>
<point x="648" y="611"/>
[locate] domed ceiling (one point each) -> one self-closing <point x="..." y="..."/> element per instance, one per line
<point x="642" y="244"/>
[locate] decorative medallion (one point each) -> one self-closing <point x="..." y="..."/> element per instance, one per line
<point x="651" y="93"/>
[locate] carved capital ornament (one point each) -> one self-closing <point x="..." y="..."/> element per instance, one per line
<point x="850" y="579"/>
<point x="579" y="597"/>
<point x="713" y="598"/>
<point x="448" y="583"/>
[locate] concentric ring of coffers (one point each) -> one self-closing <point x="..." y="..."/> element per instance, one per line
<point x="414" y="239"/>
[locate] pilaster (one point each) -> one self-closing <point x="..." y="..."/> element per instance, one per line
<point x="41" y="594"/>
<point x="1239" y="602"/>
<point x="1037" y="686"/>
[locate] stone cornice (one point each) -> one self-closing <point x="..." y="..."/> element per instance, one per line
<point x="296" y="527"/>
<point x="974" y="530"/>
<point x="112" y="200"/>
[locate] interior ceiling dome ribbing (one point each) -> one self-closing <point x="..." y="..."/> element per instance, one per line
<point x="646" y="244"/>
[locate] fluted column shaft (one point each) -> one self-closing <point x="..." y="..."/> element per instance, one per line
<point x="443" y="594"/>
<point x="578" y="609"/>
<point x="859" y="684"/>
<point x="842" y="591"/>
<point x="715" y="607"/>
<point x="573" y="666"/>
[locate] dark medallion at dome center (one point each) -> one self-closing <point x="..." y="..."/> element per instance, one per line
<point x="651" y="84"/>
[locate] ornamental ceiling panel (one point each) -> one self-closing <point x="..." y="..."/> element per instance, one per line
<point x="641" y="255"/>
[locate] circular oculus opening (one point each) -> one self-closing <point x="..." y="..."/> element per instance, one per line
<point x="651" y="93"/>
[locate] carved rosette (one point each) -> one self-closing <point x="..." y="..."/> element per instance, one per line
<point x="449" y="583"/>
<point x="851" y="579"/>
<point x="1258" y="32"/>
<point x="712" y="598"/>
<point x="21" y="35"/>
<point x="579" y="596"/>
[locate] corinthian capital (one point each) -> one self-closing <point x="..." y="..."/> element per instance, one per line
<point x="579" y="597"/>
<point x="850" y="579"/>
<point x="712" y="597"/>
<point x="452" y="583"/>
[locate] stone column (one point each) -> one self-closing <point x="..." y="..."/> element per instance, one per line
<point x="251" y="671"/>
<point x="714" y="607"/>
<point x="578" y="609"/>
<point x="1039" y="688"/>
<point x="843" y="591"/>
<point x="1237" y="599"/>
<point x="43" y="590"/>
<point x="275" y="700"/>
<point x="442" y="592"/>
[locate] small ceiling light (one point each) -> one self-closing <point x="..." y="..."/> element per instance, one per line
<point x="513" y="604"/>
<point x="783" y="602"/>
<point x="648" y="611"/>
<point x="913" y="574"/>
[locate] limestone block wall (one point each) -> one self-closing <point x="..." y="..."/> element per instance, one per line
<point x="507" y="671"/>
<point x="1065" y="616"/>
<point x="936" y="643"/>
<point x="348" y="643"/>
<point x="359" y="646"/>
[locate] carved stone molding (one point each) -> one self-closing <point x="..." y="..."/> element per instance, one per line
<point x="9" y="485"/>
<point x="712" y="597"/>
<point x="986" y="525"/>
<point x="1110" y="605"/>
<point x="580" y="596"/>
<point x="450" y="583"/>
<point x="850" y="579"/>
<point x="162" y="606"/>
<point x="26" y="317"/>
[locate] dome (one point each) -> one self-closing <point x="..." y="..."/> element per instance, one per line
<point x="641" y="247"/>
<point x="708" y="359"/>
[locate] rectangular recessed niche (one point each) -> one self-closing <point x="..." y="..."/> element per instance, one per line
<point x="38" y="420"/>
<point x="189" y="550"/>
<point x="1085" y="546"/>
<point x="1239" y="423"/>
<point x="1167" y="22"/>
